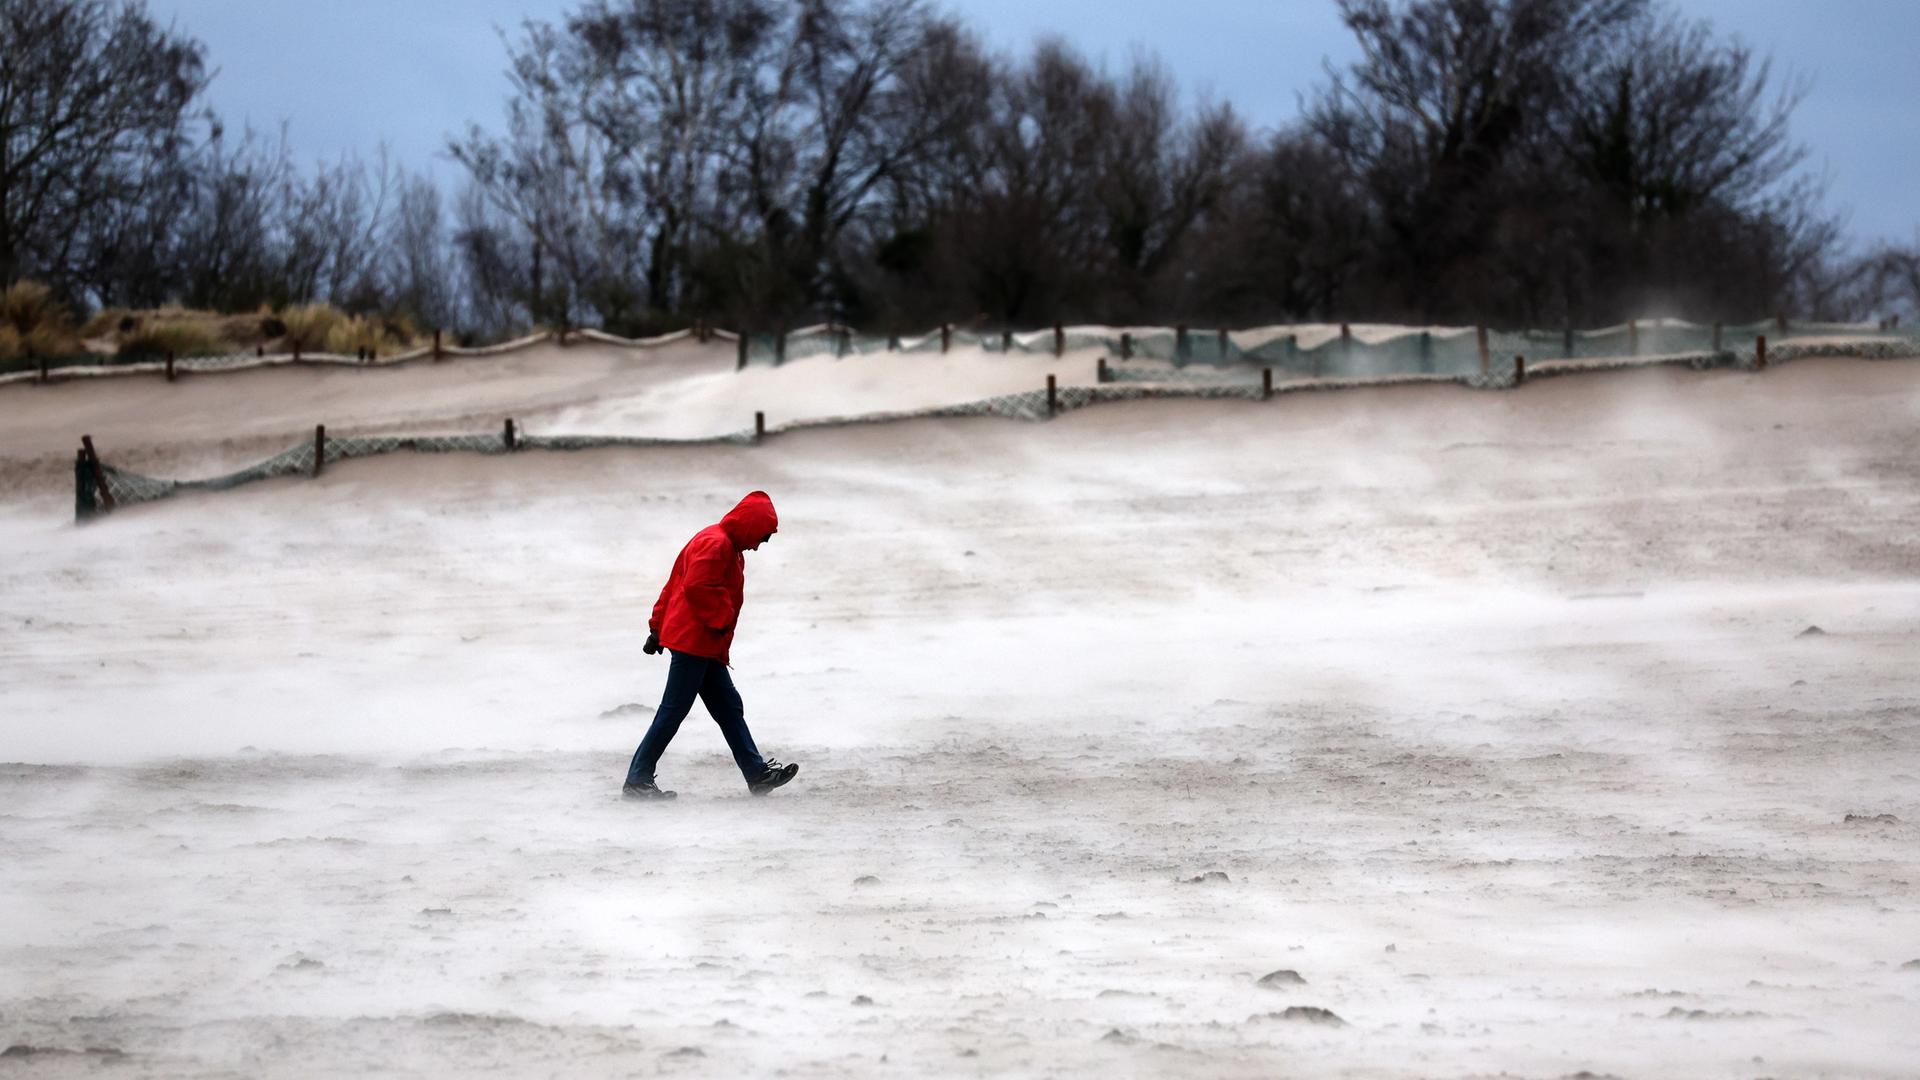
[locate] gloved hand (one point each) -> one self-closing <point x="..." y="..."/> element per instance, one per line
<point x="652" y="647"/>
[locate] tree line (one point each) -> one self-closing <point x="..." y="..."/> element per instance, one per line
<point x="772" y="163"/>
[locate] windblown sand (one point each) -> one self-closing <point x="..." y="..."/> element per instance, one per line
<point x="1496" y="718"/>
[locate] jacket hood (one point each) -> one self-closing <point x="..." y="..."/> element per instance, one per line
<point x="752" y="521"/>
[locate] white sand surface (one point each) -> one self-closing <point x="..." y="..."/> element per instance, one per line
<point x="1489" y="715"/>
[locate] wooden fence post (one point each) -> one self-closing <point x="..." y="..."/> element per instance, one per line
<point x="1426" y="351"/>
<point x="1223" y="344"/>
<point x="259" y="351"/>
<point x="1480" y="340"/>
<point x="83" y="504"/>
<point x="1100" y="370"/>
<point x="169" y="365"/>
<point x="319" y="447"/>
<point x="1126" y="345"/>
<point x="740" y="350"/>
<point x="510" y="437"/>
<point x="1760" y="353"/>
<point x="1059" y="340"/>
<point x="759" y="426"/>
<point x="1346" y="345"/>
<point x="946" y="337"/>
<point x="1266" y="383"/>
<point x="780" y="347"/>
<point x="99" y="474"/>
<point x="1053" y="396"/>
<point x="1006" y="341"/>
<point x="1519" y="370"/>
<point x="1181" y="348"/>
<point x="436" y="345"/>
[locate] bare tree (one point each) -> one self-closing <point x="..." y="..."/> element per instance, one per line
<point x="96" y="105"/>
<point x="1522" y="160"/>
<point x="1671" y="118"/>
<point x="1444" y="94"/>
<point x="1669" y="124"/>
<point x="835" y="114"/>
<point x="552" y="173"/>
<point x="1291" y="240"/>
<point x="1027" y="235"/>
<point x="494" y="253"/>
<point x="1160" y="172"/>
<point x="420" y="273"/>
<point x="1894" y="272"/>
<point x="770" y="161"/>
<point x="329" y="232"/>
<point x="666" y="80"/>
<point x="226" y="249"/>
<point x="896" y="268"/>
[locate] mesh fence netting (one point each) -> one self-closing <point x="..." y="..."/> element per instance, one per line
<point x="130" y="488"/>
<point x="1234" y="372"/>
<point x="92" y="366"/>
<point x="1320" y="350"/>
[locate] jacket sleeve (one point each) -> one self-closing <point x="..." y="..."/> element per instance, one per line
<point x="705" y="584"/>
<point x="660" y="608"/>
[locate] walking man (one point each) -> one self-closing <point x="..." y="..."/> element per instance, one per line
<point x="694" y="619"/>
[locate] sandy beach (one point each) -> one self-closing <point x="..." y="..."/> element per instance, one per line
<point x="1421" y="731"/>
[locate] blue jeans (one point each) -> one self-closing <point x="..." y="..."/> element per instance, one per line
<point x="689" y="677"/>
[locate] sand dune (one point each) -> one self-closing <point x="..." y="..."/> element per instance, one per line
<point x="679" y="390"/>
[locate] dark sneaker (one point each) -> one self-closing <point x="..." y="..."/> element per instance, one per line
<point x="775" y="775"/>
<point x="648" y="790"/>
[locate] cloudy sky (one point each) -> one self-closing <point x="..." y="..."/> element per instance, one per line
<point x="348" y="74"/>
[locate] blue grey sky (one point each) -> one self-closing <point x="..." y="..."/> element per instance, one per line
<point x="346" y="75"/>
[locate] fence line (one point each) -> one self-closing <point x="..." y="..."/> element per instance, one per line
<point x="99" y="487"/>
<point x="1143" y="353"/>
<point x="169" y="365"/>
<point x="1168" y="353"/>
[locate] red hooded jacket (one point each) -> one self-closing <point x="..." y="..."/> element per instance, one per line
<point x="701" y="602"/>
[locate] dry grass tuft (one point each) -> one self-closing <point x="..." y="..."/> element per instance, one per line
<point x="181" y="337"/>
<point x="351" y="334"/>
<point x="109" y="322"/>
<point x="37" y="324"/>
<point x="309" y="327"/>
<point x="325" y="328"/>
